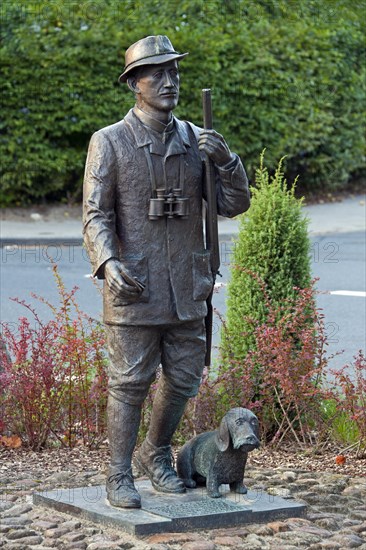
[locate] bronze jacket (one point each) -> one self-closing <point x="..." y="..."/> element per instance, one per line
<point x="166" y="255"/>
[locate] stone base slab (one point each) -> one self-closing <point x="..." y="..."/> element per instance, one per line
<point x="163" y="513"/>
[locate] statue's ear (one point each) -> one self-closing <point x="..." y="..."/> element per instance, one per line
<point x="223" y="436"/>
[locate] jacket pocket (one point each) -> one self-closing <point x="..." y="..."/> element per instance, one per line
<point x="137" y="267"/>
<point x="202" y="275"/>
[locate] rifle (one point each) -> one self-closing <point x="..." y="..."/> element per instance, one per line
<point x="212" y="234"/>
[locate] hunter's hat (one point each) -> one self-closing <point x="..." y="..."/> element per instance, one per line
<point x="152" y="50"/>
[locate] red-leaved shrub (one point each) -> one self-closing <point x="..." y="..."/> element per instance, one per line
<point x="53" y="379"/>
<point x="349" y="391"/>
<point x="281" y="378"/>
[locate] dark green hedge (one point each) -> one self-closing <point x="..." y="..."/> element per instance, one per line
<point x="287" y="76"/>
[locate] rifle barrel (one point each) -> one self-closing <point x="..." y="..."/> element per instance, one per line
<point x="207" y="109"/>
<point x="212" y="237"/>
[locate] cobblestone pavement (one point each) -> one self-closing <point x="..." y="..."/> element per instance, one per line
<point x="336" y="518"/>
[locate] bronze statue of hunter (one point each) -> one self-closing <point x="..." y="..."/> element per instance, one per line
<point x="143" y="196"/>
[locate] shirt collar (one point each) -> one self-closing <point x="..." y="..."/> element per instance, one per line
<point x="153" y="122"/>
<point x="177" y="144"/>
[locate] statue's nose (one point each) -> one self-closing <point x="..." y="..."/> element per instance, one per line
<point x="168" y="83"/>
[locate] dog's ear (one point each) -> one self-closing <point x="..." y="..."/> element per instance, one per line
<point x="223" y="435"/>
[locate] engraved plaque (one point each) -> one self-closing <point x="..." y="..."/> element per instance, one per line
<point x="202" y="507"/>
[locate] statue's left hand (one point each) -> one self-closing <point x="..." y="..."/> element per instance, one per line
<point x="213" y="144"/>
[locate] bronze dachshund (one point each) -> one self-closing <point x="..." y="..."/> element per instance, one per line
<point x="220" y="456"/>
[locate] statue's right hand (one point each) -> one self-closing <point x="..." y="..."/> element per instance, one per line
<point x="117" y="278"/>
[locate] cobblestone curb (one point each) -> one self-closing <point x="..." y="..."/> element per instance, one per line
<point x="336" y="518"/>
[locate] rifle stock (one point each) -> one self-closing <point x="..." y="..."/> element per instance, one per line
<point x="212" y="235"/>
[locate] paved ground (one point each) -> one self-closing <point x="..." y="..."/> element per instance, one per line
<point x="336" y="517"/>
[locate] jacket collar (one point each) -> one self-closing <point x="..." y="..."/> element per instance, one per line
<point x="177" y="145"/>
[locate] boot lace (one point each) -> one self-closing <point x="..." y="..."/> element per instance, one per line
<point x="122" y="478"/>
<point x="166" y="461"/>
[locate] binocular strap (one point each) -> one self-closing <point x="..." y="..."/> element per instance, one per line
<point x="152" y="173"/>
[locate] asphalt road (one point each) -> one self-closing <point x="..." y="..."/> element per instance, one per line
<point x="337" y="259"/>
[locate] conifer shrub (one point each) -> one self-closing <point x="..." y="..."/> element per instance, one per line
<point x="269" y="343"/>
<point x="272" y="249"/>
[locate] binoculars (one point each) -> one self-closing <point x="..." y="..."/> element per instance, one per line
<point x="172" y="205"/>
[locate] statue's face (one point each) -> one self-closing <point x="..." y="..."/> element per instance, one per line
<point x="157" y="86"/>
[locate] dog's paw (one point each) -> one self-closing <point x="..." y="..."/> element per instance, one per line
<point x="190" y="483"/>
<point x="214" y="494"/>
<point x="238" y="487"/>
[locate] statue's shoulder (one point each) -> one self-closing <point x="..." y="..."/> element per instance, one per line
<point x="193" y="128"/>
<point x="114" y="131"/>
<point x="188" y="128"/>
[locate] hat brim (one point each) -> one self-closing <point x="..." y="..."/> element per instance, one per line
<point x="155" y="60"/>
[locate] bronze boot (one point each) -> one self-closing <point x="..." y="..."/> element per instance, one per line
<point x="156" y="462"/>
<point x="123" y="425"/>
<point x="121" y="490"/>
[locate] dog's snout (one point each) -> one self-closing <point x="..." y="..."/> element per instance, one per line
<point x="251" y="439"/>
